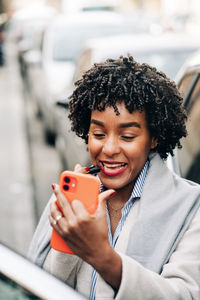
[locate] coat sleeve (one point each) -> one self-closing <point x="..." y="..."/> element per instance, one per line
<point x="179" y="280"/>
<point x="63" y="265"/>
<point x="40" y="243"/>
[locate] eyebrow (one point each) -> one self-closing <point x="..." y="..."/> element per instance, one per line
<point x="122" y="125"/>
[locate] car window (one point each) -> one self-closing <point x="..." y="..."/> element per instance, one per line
<point x="68" y="41"/>
<point x="12" y="291"/>
<point x="189" y="156"/>
<point x="160" y="59"/>
<point x="167" y="61"/>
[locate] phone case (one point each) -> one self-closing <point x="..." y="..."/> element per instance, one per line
<point x="76" y="186"/>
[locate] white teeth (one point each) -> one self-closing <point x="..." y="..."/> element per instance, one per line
<point x="114" y="165"/>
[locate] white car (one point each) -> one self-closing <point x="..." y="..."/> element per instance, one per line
<point x="52" y="65"/>
<point x="166" y="52"/>
<point x="21" y="279"/>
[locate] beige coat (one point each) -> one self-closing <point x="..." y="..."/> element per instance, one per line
<point x="179" y="280"/>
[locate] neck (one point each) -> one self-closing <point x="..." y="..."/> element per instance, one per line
<point x="121" y="196"/>
<point x="126" y="191"/>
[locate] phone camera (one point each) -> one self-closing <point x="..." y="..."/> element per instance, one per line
<point x="67" y="179"/>
<point x="65" y="187"/>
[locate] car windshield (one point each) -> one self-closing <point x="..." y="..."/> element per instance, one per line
<point x="167" y="61"/>
<point x="68" y="41"/>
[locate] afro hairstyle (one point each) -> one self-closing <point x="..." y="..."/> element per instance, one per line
<point x="140" y="87"/>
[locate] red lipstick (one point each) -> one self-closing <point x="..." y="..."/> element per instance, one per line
<point x="112" y="168"/>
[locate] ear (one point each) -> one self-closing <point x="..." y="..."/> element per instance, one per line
<point x="154" y="142"/>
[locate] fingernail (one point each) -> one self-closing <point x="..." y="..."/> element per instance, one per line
<point x="87" y="169"/>
<point x="53" y="186"/>
<point x="113" y="193"/>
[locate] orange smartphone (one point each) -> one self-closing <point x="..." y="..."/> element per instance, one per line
<point x="76" y="186"/>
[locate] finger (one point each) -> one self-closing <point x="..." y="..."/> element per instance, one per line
<point x="79" y="209"/>
<point x="57" y="226"/>
<point x="55" y="214"/>
<point x="52" y="221"/>
<point x="77" y="166"/>
<point x="102" y="199"/>
<point x="79" y="169"/>
<point x="55" y="211"/>
<point x="64" y="203"/>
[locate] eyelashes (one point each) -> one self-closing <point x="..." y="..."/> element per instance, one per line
<point x="128" y="137"/>
<point x="124" y="137"/>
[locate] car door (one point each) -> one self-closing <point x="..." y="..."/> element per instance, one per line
<point x="189" y="155"/>
<point x="21" y="279"/>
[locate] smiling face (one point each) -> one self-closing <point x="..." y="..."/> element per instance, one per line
<point x="119" y="144"/>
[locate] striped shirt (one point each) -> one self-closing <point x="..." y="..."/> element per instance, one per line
<point x="136" y="193"/>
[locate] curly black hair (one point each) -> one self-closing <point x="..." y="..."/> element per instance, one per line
<point x="140" y="87"/>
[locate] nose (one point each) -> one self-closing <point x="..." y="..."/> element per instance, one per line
<point x="111" y="146"/>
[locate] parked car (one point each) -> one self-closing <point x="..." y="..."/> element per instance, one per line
<point x="22" y="17"/>
<point x="30" y="39"/>
<point x="166" y="52"/>
<point x="188" y="80"/>
<point x="20" y="279"/>
<point x="51" y="66"/>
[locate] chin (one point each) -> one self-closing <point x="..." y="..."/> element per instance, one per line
<point x="113" y="183"/>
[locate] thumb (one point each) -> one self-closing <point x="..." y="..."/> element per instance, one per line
<point x="102" y="199"/>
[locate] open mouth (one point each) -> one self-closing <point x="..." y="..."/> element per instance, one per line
<point x="112" y="168"/>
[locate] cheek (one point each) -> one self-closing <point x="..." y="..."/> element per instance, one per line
<point x="139" y="150"/>
<point x="94" y="147"/>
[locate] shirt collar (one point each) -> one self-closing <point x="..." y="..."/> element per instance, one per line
<point x="137" y="189"/>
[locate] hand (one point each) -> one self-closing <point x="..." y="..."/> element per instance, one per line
<point x="79" y="169"/>
<point x="86" y="234"/>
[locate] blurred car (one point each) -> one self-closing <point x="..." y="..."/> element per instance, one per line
<point x="187" y="159"/>
<point x="51" y="65"/>
<point x="24" y="31"/>
<point x="105" y="5"/>
<point x="24" y="16"/>
<point x="29" y="39"/>
<point x="166" y="52"/>
<point x="20" y="279"/>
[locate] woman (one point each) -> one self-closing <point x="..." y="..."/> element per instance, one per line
<point x="144" y="240"/>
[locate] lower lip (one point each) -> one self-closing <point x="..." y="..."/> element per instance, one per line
<point x="112" y="172"/>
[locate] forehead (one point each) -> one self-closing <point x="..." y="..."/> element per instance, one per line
<point x="124" y="115"/>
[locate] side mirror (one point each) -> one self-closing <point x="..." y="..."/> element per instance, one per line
<point x="62" y="104"/>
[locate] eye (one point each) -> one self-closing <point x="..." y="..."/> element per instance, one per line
<point x="98" y="135"/>
<point x="128" y="138"/>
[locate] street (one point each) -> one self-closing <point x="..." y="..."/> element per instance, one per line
<point x="28" y="165"/>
